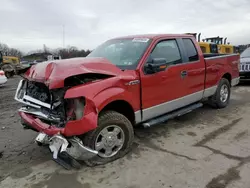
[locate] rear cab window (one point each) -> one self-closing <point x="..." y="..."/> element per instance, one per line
<point x="191" y="51"/>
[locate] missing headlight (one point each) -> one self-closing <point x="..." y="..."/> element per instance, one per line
<point x="75" y="108"/>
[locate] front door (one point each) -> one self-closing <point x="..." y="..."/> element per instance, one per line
<point x="167" y="90"/>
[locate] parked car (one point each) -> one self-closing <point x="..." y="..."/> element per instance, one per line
<point x="87" y="107"/>
<point x="3" y="78"/>
<point x="25" y="64"/>
<point x="245" y="64"/>
<point x="30" y="63"/>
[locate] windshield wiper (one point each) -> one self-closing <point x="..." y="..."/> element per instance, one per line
<point x="245" y="57"/>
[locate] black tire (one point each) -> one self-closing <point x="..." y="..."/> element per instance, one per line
<point x="12" y="74"/>
<point x="215" y="100"/>
<point x="8" y="74"/>
<point x="106" y="119"/>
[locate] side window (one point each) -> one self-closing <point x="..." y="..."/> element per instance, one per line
<point x="169" y="50"/>
<point x="191" y="50"/>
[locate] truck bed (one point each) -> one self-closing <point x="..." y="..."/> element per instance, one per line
<point x="215" y="55"/>
<point x="219" y="65"/>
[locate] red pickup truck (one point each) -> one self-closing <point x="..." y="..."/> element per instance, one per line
<point x="86" y="108"/>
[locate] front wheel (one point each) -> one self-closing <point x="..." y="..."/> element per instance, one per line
<point x="112" y="138"/>
<point x="222" y="95"/>
<point x="8" y="74"/>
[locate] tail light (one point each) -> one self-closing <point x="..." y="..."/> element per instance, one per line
<point x="1" y="73"/>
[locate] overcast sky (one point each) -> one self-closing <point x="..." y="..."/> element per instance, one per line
<point x="28" y="24"/>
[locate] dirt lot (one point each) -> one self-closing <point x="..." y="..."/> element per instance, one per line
<point x="206" y="148"/>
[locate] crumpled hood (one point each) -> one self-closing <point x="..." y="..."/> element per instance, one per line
<point x="53" y="73"/>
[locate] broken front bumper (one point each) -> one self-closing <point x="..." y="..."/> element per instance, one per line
<point x="77" y="150"/>
<point x="38" y="125"/>
<point x="72" y="128"/>
<point x="65" y="151"/>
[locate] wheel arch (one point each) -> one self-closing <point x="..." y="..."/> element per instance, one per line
<point x="121" y="106"/>
<point x="228" y="76"/>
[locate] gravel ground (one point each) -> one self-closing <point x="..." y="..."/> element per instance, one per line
<point x="206" y="148"/>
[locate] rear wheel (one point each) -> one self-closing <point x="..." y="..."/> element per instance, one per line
<point x="9" y="70"/>
<point x="112" y="138"/>
<point x="222" y="95"/>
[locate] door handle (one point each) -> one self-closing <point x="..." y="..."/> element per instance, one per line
<point x="183" y="74"/>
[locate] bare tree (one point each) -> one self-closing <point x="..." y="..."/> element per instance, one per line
<point x="71" y="52"/>
<point x="4" y="48"/>
<point x="9" y="51"/>
<point x="46" y="49"/>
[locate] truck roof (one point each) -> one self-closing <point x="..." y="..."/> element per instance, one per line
<point x="153" y="36"/>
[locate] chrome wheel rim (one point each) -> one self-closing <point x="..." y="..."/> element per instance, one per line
<point x="109" y="141"/>
<point x="224" y="93"/>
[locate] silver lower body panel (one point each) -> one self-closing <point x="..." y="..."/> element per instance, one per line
<point x="235" y="81"/>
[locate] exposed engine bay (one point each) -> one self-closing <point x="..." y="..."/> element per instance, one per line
<point x="47" y="105"/>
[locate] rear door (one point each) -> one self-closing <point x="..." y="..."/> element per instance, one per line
<point x="194" y="66"/>
<point x="167" y="90"/>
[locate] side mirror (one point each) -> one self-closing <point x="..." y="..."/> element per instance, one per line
<point x="156" y="65"/>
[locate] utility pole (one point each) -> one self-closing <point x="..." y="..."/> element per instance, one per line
<point x="63" y="37"/>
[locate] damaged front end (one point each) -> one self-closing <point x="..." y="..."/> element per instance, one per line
<point x="59" y="120"/>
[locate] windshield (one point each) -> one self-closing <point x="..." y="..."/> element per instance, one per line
<point x="246" y="53"/>
<point x="124" y="53"/>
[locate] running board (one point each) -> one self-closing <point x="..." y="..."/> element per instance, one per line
<point x="172" y="115"/>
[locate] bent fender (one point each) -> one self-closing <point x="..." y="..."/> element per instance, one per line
<point x="87" y="123"/>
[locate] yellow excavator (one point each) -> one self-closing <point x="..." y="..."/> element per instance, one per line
<point x="206" y="47"/>
<point x="9" y="64"/>
<point x="223" y="46"/>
